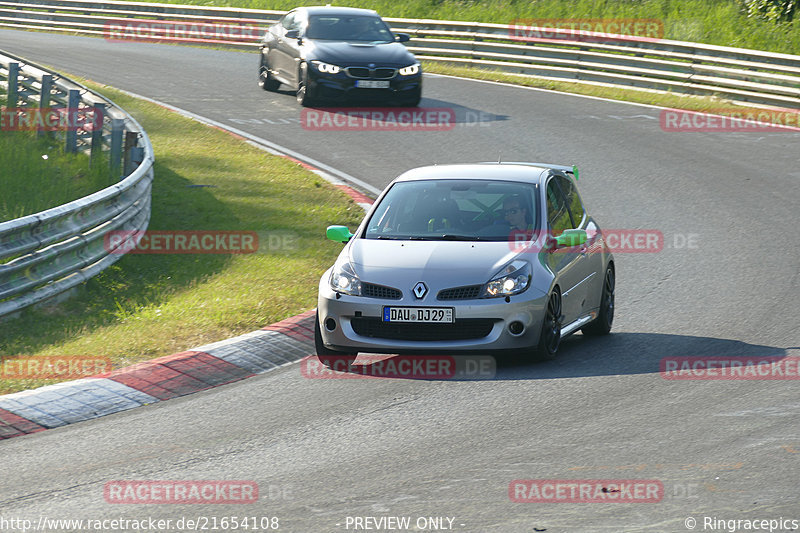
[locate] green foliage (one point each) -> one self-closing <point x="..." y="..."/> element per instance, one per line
<point x="720" y="22"/>
<point x="772" y="10"/>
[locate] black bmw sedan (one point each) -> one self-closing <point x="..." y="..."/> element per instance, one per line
<point x="338" y="53"/>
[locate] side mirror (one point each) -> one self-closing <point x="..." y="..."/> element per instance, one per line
<point x="339" y="233"/>
<point x="402" y="37"/>
<point x="571" y="237"/>
<point x="293" y="34"/>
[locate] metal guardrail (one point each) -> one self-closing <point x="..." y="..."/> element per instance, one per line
<point x="47" y="253"/>
<point x="737" y="74"/>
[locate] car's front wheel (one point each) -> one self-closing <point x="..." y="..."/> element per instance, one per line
<point x="550" y="337"/>
<point x="605" y="317"/>
<point x="304" y="97"/>
<point x="330" y="358"/>
<point x="265" y="79"/>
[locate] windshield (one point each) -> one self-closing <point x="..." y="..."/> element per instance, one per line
<point x="477" y="210"/>
<point x="348" y="28"/>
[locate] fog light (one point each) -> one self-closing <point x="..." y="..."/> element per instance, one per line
<point x="330" y="324"/>
<point x="516" y="328"/>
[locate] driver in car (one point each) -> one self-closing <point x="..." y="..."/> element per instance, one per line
<point x="363" y="29"/>
<point x="516" y="214"/>
<point x="519" y="220"/>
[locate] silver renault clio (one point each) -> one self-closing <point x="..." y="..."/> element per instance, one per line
<point x="481" y="258"/>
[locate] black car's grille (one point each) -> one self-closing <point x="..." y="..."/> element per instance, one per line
<point x="383" y="73"/>
<point x="468" y="292"/>
<point x="370" y="290"/>
<point x="357" y="72"/>
<point x="364" y="73"/>
<point x="468" y="328"/>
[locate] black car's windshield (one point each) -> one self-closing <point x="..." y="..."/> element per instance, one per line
<point x="456" y="210"/>
<point x="348" y="28"/>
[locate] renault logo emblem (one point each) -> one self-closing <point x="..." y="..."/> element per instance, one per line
<point x="420" y="290"/>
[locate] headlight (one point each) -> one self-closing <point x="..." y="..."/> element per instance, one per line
<point x="512" y="279"/>
<point x="326" y="68"/>
<point x="345" y="280"/>
<point x="410" y="70"/>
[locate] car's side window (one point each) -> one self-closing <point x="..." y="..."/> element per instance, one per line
<point x="573" y="200"/>
<point x="289" y="21"/>
<point x="557" y="213"/>
<point x="300" y="21"/>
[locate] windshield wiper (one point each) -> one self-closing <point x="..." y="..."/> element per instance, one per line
<point x="444" y="237"/>
<point x="400" y="238"/>
<point x="451" y="237"/>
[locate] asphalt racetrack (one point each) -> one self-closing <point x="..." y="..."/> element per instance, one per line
<point x="325" y="452"/>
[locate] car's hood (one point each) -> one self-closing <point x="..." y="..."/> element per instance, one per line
<point x="357" y="53"/>
<point x="441" y="264"/>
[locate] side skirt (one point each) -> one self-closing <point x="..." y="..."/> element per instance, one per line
<point x="578" y="324"/>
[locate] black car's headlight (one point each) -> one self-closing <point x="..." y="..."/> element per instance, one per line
<point x="409" y="70"/>
<point x="514" y="278"/>
<point x="326" y="68"/>
<point x="344" y="279"/>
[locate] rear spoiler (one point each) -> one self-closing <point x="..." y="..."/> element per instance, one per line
<point x="563" y="168"/>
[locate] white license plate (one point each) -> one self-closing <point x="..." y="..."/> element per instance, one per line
<point x="372" y="84"/>
<point x="418" y="314"/>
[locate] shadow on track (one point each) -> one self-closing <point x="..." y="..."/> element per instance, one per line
<point x="613" y="355"/>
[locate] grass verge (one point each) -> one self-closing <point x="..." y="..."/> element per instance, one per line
<point x="37" y="174"/>
<point x="146" y="305"/>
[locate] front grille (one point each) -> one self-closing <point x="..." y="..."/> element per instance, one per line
<point x="384" y="73"/>
<point x="357" y="72"/>
<point x="370" y="290"/>
<point x="364" y="73"/>
<point x="468" y="292"/>
<point x="468" y="328"/>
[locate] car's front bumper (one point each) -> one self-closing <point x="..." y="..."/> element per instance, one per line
<point x="358" y="326"/>
<point x="341" y="86"/>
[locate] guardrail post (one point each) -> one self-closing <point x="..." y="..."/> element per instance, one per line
<point x="117" y="128"/>
<point x="44" y="98"/>
<point x="73" y="101"/>
<point x="131" y="141"/>
<point x="13" y="82"/>
<point x="98" y="118"/>
<point x="137" y="156"/>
